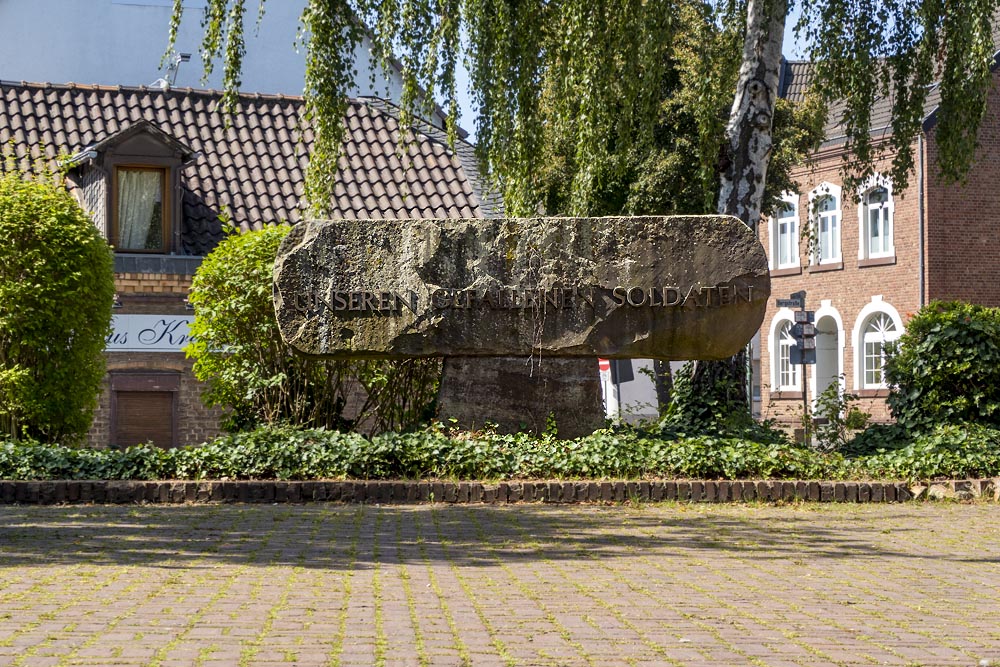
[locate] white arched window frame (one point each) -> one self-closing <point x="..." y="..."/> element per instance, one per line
<point x="785" y="376"/>
<point x="825" y="214"/>
<point x="878" y="323"/>
<point x="785" y="233"/>
<point x="876" y="218"/>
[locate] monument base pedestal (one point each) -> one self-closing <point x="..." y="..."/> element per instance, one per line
<point x="519" y="394"/>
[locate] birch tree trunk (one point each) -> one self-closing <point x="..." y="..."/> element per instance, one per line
<point x="746" y="154"/>
<point x="748" y="133"/>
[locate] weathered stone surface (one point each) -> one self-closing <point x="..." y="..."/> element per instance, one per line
<point x="670" y="288"/>
<point x="520" y="393"/>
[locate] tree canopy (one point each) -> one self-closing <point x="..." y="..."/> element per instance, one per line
<point x="596" y="69"/>
<point x="676" y="170"/>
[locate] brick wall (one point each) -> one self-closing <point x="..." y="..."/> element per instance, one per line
<point x="842" y="291"/>
<point x="149" y="293"/>
<point x="137" y="285"/>
<point x="963" y="221"/>
<point x="195" y="422"/>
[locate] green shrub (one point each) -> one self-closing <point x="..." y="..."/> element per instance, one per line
<point x="945" y="451"/>
<point x="713" y="408"/>
<point x="250" y="371"/>
<point x="284" y="452"/>
<point x="841" y="418"/>
<point x="56" y="293"/>
<point x="946" y="368"/>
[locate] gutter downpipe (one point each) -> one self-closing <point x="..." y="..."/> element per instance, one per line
<point x="921" y="215"/>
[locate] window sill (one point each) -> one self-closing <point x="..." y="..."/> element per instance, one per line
<point x="831" y="266"/>
<point x="790" y="271"/>
<point x="872" y="393"/>
<point x="876" y="261"/>
<point x="786" y="395"/>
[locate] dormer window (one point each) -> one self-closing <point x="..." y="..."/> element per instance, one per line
<point x="131" y="182"/>
<point x="140" y="210"/>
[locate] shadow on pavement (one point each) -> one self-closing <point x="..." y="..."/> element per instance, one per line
<point x="340" y="536"/>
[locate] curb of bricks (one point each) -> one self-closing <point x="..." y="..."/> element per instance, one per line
<point x="412" y="492"/>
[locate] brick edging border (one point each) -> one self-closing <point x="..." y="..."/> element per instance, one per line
<point x="409" y="492"/>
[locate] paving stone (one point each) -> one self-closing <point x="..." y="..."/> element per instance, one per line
<point x="859" y="584"/>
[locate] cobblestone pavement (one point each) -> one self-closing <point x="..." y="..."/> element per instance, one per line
<point x="673" y="584"/>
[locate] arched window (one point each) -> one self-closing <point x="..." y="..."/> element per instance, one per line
<point x="878" y="330"/>
<point x="825" y="202"/>
<point x="785" y="234"/>
<point x="788" y="376"/>
<point x="876" y="211"/>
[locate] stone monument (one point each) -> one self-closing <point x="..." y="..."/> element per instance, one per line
<point x="531" y="289"/>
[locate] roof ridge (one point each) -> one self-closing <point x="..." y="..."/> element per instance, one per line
<point x="187" y="90"/>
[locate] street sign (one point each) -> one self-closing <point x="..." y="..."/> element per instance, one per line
<point x="808" y="343"/>
<point x="804" y="329"/>
<point x="802" y="316"/>
<point x="789" y="303"/>
<point x="797" y="355"/>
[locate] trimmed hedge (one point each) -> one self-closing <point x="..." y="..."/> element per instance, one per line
<point x="287" y="453"/>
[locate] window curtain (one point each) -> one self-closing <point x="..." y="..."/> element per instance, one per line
<point x="139" y="209"/>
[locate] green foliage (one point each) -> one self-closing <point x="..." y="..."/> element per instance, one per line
<point x="946" y="368"/>
<point x="946" y="450"/>
<point x="249" y="370"/>
<point x="56" y="292"/>
<point x="842" y="419"/>
<point x="877" y="438"/>
<point x="282" y="452"/>
<point x="898" y="49"/>
<point x="603" y="64"/>
<point x="675" y="169"/>
<point x="715" y="408"/>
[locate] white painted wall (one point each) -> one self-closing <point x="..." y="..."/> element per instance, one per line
<point x="120" y="42"/>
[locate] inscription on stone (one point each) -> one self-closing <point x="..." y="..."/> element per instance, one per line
<point x="672" y="288"/>
<point x="393" y="303"/>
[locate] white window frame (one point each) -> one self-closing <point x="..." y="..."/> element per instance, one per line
<point x="836" y="219"/>
<point x="778" y="351"/>
<point x="790" y="200"/>
<point x="871" y="310"/>
<point x="872" y="183"/>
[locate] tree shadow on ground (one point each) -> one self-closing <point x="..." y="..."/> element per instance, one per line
<point x="334" y="536"/>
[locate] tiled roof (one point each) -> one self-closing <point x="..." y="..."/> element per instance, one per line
<point x="254" y="168"/>
<point x="796" y="79"/>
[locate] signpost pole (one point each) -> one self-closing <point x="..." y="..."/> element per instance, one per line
<point x="805" y="333"/>
<point x="806" y="417"/>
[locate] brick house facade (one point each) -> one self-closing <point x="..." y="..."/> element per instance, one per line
<point x="879" y="254"/>
<point x="160" y="170"/>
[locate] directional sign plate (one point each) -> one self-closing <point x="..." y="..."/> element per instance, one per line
<point x="804" y="329"/>
<point x="789" y="303"/>
<point x="798" y="356"/>
<point x="805" y="316"/>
